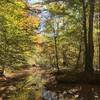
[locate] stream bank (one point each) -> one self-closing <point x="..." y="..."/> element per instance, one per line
<point x="40" y="84"/>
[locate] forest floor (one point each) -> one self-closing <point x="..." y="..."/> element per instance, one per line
<point x="7" y="82"/>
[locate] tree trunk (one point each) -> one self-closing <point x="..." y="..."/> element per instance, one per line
<point x="56" y="53"/>
<point x="99" y="50"/>
<point x="90" y="38"/>
<point x="98" y="34"/>
<point x="85" y="34"/>
<point x="64" y="58"/>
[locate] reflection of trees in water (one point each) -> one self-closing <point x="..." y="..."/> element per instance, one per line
<point x="89" y="92"/>
<point x="86" y="93"/>
<point x="83" y="92"/>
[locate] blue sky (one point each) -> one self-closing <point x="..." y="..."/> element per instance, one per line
<point x="44" y="16"/>
<point x="35" y="1"/>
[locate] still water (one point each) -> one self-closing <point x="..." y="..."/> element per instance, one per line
<point x="37" y="90"/>
<point x="72" y="92"/>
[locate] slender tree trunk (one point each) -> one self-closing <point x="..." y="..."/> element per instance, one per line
<point x="98" y="34"/>
<point x="99" y="50"/>
<point x="85" y="34"/>
<point x="90" y="37"/>
<point x="50" y="60"/>
<point x="64" y="58"/>
<point x="99" y="38"/>
<point x="56" y="52"/>
<point x="55" y="44"/>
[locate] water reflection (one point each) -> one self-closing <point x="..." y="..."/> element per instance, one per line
<point x="48" y="95"/>
<point x="30" y="89"/>
<point x="72" y="92"/>
<point x="86" y="93"/>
